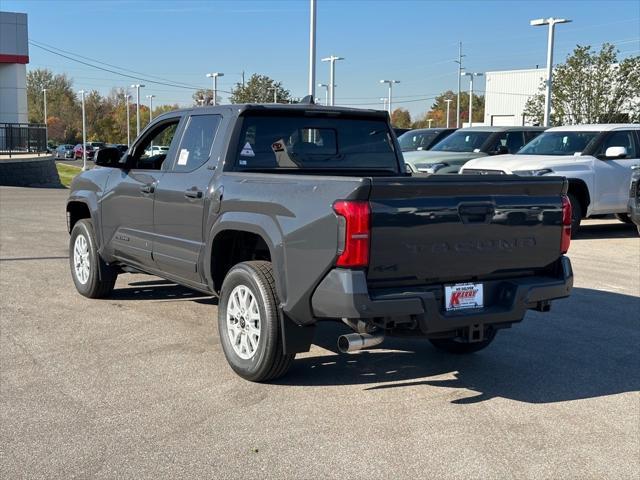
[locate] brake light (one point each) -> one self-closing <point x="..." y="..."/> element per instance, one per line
<point x="354" y="233"/>
<point x="566" y="225"/>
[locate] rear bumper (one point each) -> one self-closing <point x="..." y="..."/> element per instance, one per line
<point x="344" y="294"/>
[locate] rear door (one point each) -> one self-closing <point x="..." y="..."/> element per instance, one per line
<point x="183" y="196"/>
<point x="437" y="229"/>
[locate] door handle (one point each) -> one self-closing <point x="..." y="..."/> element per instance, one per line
<point x="148" y="188"/>
<point x="193" y="193"/>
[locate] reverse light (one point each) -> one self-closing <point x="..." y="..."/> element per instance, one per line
<point x="565" y="239"/>
<point x="354" y="230"/>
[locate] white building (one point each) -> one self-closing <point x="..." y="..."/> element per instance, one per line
<point x="506" y="94"/>
<point x="14" y="56"/>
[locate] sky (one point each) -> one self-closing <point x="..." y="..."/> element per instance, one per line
<point x="415" y="42"/>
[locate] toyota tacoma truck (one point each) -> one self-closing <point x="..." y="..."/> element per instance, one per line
<point x="293" y="214"/>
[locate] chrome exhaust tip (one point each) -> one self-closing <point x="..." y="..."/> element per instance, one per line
<point x="352" y="342"/>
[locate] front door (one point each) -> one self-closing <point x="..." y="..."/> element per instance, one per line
<point x="127" y="205"/>
<point x="612" y="175"/>
<point x="183" y="198"/>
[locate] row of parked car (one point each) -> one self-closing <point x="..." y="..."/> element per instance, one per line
<point x="75" y="151"/>
<point x="597" y="160"/>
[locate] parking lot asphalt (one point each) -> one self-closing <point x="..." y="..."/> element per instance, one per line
<point x="136" y="386"/>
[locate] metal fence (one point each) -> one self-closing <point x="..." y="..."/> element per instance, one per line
<point x="22" y="138"/>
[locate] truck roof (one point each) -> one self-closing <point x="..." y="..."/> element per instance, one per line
<point x="596" y="127"/>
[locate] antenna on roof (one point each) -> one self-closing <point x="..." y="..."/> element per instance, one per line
<point x="308" y="100"/>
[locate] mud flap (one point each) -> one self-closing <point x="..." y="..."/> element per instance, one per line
<point x="295" y="338"/>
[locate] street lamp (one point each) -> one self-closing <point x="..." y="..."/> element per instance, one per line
<point x="384" y="102"/>
<point x="214" y="76"/>
<point x="429" y="120"/>
<point x="151" y="97"/>
<point x="46" y="127"/>
<point x="127" y="97"/>
<point x="312" y="48"/>
<point x="137" y="87"/>
<point x="390" y="82"/>
<point x="332" y="77"/>
<point x="448" y="102"/>
<point x="326" y="92"/>
<point x="471" y="75"/>
<point x="84" y="134"/>
<point x="552" y="23"/>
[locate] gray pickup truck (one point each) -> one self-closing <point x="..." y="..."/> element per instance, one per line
<point x="292" y="214"/>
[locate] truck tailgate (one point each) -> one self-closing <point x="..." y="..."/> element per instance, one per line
<point x="458" y="228"/>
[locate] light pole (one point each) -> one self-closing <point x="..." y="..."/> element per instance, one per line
<point x="384" y="102"/>
<point x="326" y="92"/>
<point x="312" y="48"/>
<point x="275" y="94"/>
<point x="429" y="120"/>
<point x="471" y="75"/>
<point x="214" y="76"/>
<point x="332" y="77"/>
<point x="448" y="102"/>
<point x="552" y="23"/>
<point x="151" y="97"/>
<point x="84" y="134"/>
<point x="127" y="97"/>
<point x="459" y="62"/>
<point x="137" y="87"/>
<point x="46" y="127"/>
<point x="390" y="82"/>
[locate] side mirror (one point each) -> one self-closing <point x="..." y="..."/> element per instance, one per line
<point x="616" y="152"/>
<point x="108" y="157"/>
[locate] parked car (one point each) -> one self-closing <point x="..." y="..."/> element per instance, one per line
<point x="634" y="196"/>
<point x="156" y="150"/>
<point x="400" y="131"/>
<point x="291" y="216"/>
<point x="596" y="159"/>
<point x="96" y="145"/>
<point x="120" y="146"/>
<point x="77" y="152"/>
<point x="448" y="155"/>
<point x="422" y="138"/>
<point x="63" y="151"/>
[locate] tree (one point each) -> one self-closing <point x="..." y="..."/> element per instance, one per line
<point x="259" y="89"/>
<point x="438" y="111"/>
<point x="203" y="97"/>
<point x="591" y="87"/>
<point x="401" y="118"/>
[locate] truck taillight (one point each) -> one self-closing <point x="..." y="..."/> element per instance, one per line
<point x="566" y="225"/>
<point x="354" y="233"/>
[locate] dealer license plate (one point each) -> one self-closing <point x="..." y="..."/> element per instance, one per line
<point x="462" y="296"/>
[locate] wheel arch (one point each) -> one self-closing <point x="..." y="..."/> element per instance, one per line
<point x="579" y="189"/>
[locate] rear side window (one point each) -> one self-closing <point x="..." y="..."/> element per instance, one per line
<point x="195" y="147"/>
<point x="318" y="143"/>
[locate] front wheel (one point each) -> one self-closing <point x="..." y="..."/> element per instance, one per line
<point x="453" y="345"/>
<point x="623" y="217"/>
<point x="91" y="276"/>
<point x="249" y="323"/>
<point x="576" y="214"/>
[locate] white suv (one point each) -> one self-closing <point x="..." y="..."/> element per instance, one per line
<point x="595" y="159"/>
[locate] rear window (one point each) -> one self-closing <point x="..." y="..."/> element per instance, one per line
<point x="318" y="143"/>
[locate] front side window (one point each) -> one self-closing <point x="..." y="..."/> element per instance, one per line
<point x="622" y="138"/>
<point x="195" y="147"/>
<point x="300" y="142"/>
<point x="512" y="141"/>
<point x="151" y="152"/>
<point x="559" y="143"/>
<point x="462" y="141"/>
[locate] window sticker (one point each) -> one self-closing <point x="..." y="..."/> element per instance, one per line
<point x="184" y="156"/>
<point x="247" y="151"/>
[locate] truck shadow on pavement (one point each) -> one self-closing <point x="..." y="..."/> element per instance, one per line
<point x="587" y="346"/>
<point x="606" y="230"/>
<point x="160" y="290"/>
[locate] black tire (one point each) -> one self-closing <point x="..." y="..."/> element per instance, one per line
<point x="268" y="360"/>
<point x="452" y="345"/>
<point x="96" y="284"/>
<point x="624" y="217"/>
<point x="576" y="214"/>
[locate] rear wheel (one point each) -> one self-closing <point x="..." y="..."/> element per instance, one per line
<point x="623" y="217"/>
<point x="453" y="345"/>
<point x="249" y="323"/>
<point x="576" y="214"/>
<point x="92" y="277"/>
